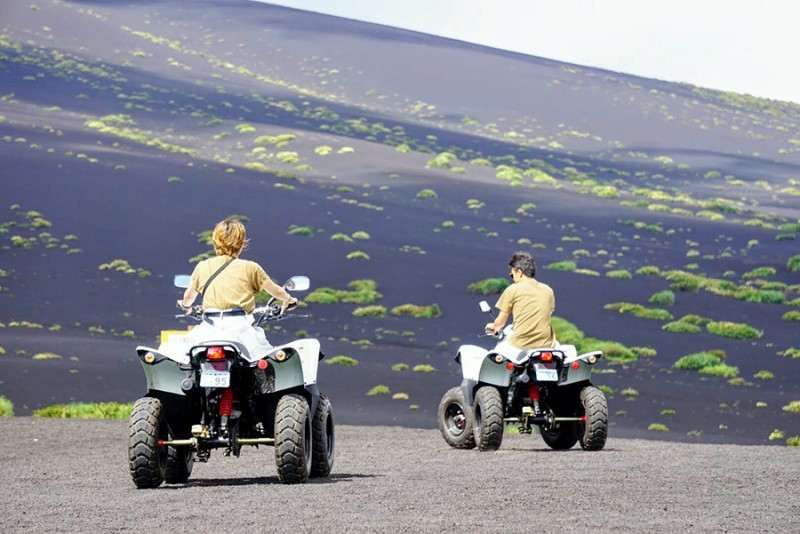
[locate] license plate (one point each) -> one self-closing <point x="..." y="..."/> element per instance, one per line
<point x="215" y="379"/>
<point x="543" y="374"/>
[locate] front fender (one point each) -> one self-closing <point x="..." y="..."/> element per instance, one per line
<point x="301" y="370"/>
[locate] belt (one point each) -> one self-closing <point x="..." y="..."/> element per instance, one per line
<point x="221" y="314"/>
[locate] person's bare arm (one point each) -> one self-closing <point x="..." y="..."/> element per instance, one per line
<point x="499" y="322"/>
<point x="188" y="297"/>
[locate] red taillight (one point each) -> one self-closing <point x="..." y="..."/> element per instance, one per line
<point x="510" y="366"/>
<point x="262" y="364"/>
<point x="226" y="402"/>
<point x="576" y="364"/>
<point x="546" y="356"/>
<point x="215" y="354"/>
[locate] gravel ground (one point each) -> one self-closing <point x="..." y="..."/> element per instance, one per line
<point x="61" y="475"/>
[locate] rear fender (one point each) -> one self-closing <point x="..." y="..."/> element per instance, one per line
<point x="299" y="370"/>
<point x="164" y="374"/>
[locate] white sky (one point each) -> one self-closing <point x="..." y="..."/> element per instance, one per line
<point x="744" y="46"/>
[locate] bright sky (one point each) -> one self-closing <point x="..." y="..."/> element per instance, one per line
<point x="744" y="46"/>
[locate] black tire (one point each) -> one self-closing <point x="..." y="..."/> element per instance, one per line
<point x="455" y="420"/>
<point x="323" y="439"/>
<point x="146" y="460"/>
<point x="561" y="438"/>
<point x="293" y="439"/>
<point x="488" y="419"/>
<point x="180" y="461"/>
<point x="594" y="431"/>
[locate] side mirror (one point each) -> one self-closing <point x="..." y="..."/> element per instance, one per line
<point x="182" y="280"/>
<point x="297" y="283"/>
<point x="485" y="308"/>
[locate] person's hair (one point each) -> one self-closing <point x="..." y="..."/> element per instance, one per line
<point x="524" y="262"/>
<point x="229" y="237"/>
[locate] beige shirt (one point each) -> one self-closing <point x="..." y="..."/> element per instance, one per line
<point x="531" y="303"/>
<point x="234" y="287"/>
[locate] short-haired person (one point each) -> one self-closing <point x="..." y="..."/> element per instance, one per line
<point x="230" y="298"/>
<point x="531" y="304"/>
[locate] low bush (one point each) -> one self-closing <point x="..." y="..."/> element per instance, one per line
<point x="360" y="234"/>
<point x="658" y="427"/>
<point x="427" y="194"/>
<point x="399" y="367"/>
<point x="792" y="407"/>
<point x="791" y="352"/>
<point x="370" y="311"/>
<point x="697" y="361"/>
<point x="793" y="315"/>
<point x="648" y="270"/>
<point x="662" y="298"/>
<point x="416" y="311"/>
<point x="6" y="407"/>
<point x="400" y="396"/>
<point x="380" y="389"/>
<point x="619" y="274"/>
<point x="759" y="272"/>
<point x="566" y="332"/>
<point x="681" y="327"/>
<point x="338" y="236"/>
<point x="721" y="370"/>
<point x="363" y="291"/>
<point x="357" y="255"/>
<point x="301" y="230"/>
<point x="763" y="374"/>
<point x="733" y="330"/>
<point x="644" y="352"/>
<point x="44" y="356"/>
<point x="565" y="265"/>
<point x="86" y="410"/>
<point x="793" y="441"/>
<point x="488" y="286"/>
<point x="423" y="368"/>
<point x="793" y="263"/>
<point x="341" y="359"/>
<point x="637" y="310"/>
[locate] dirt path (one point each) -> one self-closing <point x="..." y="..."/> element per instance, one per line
<point x="63" y="475"/>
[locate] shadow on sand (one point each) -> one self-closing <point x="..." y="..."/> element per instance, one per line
<point x="253" y="481"/>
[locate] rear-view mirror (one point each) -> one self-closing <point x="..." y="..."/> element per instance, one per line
<point x="485" y="308"/>
<point x="297" y="283"/>
<point x="182" y="280"/>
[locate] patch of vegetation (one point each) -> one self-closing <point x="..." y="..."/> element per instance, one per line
<point x="6" y="407"/>
<point x="489" y="286"/>
<point x="274" y="140"/>
<point x="662" y="298"/>
<point x="681" y="327"/>
<point x="793" y="315"/>
<point x="733" y="330"/>
<point x="323" y="150"/>
<point x="400" y="367"/>
<point x="792" y="407"/>
<point x="341" y="237"/>
<point x="400" y="396"/>
<point x="629" y="393"/>
<point x="370" y="311"/>
<point x="608" y="391"/>
<point x="425" y="194"/>
<point x="619" y="274"/>
<point x="475" y="204"/>
<point x="420" y="312"/>
<point x="122" y="126"/>
<point x="793" y="263"/>
<point x="721" y="370"/>
<point x="698" y="360"/>
<point x="637" y="310"/>
<point x="763" y="374"/>
<point x="357" y="255"/>
<point x="794" y="441"/>
<point x="648" y="270"/>
<point x="565" y="265"/>
<point x="122" y="266"/>
<point x="684" y="281"/>
<point x="44" y="356"/>
<point x="759" y="272"/>
<point x="360" y="234"/>
<point x="363" y="291"/>
<point x="658" y="427"/>
<point x="776" y="435"/>
<point x="341" y="359"/>
<point x="380" y="389"/>
<point x="305" y="231"/>
<point x="423" y="368"/>
<point x="86" y="410"/>
<point x="668" y="412"/>
<point x="791" y="352"/>
<point x="645" y="352"/>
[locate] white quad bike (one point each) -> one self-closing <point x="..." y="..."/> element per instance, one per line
<point x="216" y="394"/>
<point x="547" y="387"/>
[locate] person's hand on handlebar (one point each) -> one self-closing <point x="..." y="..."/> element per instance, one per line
<point x="490" y="329"/>
<point x="288" y="304"/>
<point x="185" y="309"/>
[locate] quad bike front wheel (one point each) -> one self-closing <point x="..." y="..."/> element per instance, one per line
<point x="594" y="431"/>
<point x="488" y="412"/>
<point x="146" y="460"/>
<point x="322" y="439"/>
<point x="293" y="439"/>
<point x="455" y="422"/>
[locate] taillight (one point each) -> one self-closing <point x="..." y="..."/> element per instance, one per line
<point x="510" y="366"/>
<point x="215" y="354"/>
<point x="576" y="364"/>
<point x="262" y="364"/>
<point x="546" y="356"/>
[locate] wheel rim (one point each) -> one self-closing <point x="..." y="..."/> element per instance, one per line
<point x="455" y="419"/>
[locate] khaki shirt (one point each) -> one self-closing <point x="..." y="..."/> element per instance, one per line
<point x="531" y="303"/>
<point x="234" y="287"/>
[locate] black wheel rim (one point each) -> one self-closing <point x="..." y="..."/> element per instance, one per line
<point x="455" y="419"/>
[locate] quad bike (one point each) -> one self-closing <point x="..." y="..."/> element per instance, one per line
<point x="215" y="394"/>
<point x="547" y="387"/>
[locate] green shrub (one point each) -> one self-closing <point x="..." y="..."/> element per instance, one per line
<point x="791" y="352"/>
<point x="759" y="272"/>
<point x="644" y="352"/>
<point x="792" y="407"/>
<point x="764" y="375"/>
<point x="360" y="234"/>
<point x="683" y="281"/>
<point x="612" y="350"/>
<point x="668" y="412"/>
<point x="357" y="255"/>
<point x="443" y="160"/>
<point x="619" y="274"/>
<point x="793" y="315"/>
<point x="427" y="194"/>
<point x="648" y="270"/>
<point x="488" y="286"/>
<point x="662" y="298"/>
<point x="658" y="427"/>
<point x="794" y="441"/>
<point x="423" y="368"/>
<point x="44" y="356"/>
<point x="323" y="150"/>
<point x="697" y="320"/>
<point x="637" y="310"/>
<point x="697" y="360"/>
<point x="721" y="370"/>
<point x="607" y="390"/>
<point x="341" y="359"/>
<point x="733" y="330"/>
<point x="399" y="367"/>
<point x="338" y="236"/>
<point x="448" y="224"/>
<point x="275" y="140"/>
<point x="565" y="265"/>
<point x="6" y="407"/>
<point x="370" y="311"/>
<point x="680" y="327"/>
<point x="630" y="393"/>
<point x="419" y="312"/>
<point x="86" y="410"/>
<point x="301" y="230"/>
<point x="380" y="389"/>
<point x="776" y="435"/>
<point x="793" y="263"/>
<point x="566" y="332"/>
<point x="362" y="291"/>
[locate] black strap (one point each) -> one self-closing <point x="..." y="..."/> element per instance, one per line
<point x="211" y="279"/>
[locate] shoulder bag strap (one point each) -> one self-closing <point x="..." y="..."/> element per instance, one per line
<point x="211" y="279"/>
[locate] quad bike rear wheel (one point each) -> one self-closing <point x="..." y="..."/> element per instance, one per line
<point x="180" y="461"/>
<point x="146" y="426"/>
<point x="322" y="439"/>
<point x="293" y="439"/>
<point x="455" y="421"/>
<point x="488" y="412"/>
<point x="594" y="431"/>
<point x="562" y="437"/>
